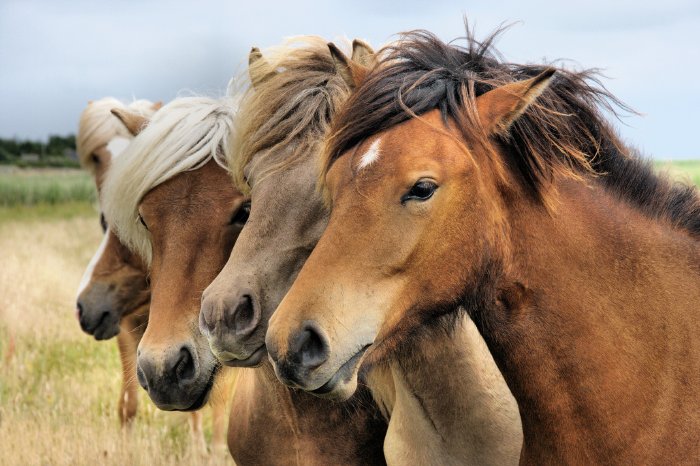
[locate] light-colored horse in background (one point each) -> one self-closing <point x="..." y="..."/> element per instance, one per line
<point x="113" y="294"/>
<point x="113" y="297"/>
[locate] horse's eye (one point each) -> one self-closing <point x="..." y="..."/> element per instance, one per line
<point x="421" y="191"/>
<point x="143" y="222"/>
<point x="241" y="215"/>
<point x="95" y="158"/>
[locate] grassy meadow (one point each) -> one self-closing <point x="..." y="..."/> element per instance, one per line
<point x="58" y="386"/>
<point x="19" y="187"/>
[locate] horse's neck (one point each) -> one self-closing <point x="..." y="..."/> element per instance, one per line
<point x="448" y="403"/>
<point x="596" y="331"/>
<point x="273" y="424"/>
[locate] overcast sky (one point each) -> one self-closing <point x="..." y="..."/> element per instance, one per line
<point x="57" y="55"/>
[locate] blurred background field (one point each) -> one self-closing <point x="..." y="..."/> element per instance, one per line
<point x="58" y="386"/>
<point x="44" y="186"/>
<point x="687" y="170"/>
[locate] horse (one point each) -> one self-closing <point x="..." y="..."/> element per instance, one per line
<point x="460" y="181"/>
<point x="283" y="119"/>
<point x="171" y="200"/>
<point x="113" y="298"/>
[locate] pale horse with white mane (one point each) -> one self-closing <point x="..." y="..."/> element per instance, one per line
<point x="113" y="296"/>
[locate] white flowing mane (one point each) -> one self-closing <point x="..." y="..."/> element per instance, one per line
<point x="98" y="126"/>
<point x="182" y="136"/>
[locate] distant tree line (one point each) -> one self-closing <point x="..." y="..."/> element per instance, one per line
<point x="59" y="151"/>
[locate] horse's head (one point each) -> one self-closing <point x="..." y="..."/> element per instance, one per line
<point x="102" y="135"/>
<point x="282" y="120"/>
<point x="403" y="199"/>
<point x="174" y="203"/>
<point x="113" y="285"/>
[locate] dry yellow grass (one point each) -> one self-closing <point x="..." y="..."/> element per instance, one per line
<point x="58" y="386"/>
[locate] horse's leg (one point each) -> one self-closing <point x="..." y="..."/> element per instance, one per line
<point x="127" y="342"/>
<point x="196" y="432"/>
<point x="220" y="396"/>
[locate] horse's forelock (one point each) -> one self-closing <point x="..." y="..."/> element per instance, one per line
<point x="184" y="135"/>
<point x="286" y="114"/>
<point x="98" y="126"/>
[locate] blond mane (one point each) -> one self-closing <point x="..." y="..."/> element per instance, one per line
<point x="182" y="136"/>
<point x="288" y="110"/>
<point x="98" y="126"/>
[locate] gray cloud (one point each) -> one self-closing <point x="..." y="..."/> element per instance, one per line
<point x="55" y="56"/>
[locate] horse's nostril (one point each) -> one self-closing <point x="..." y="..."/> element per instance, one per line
<point x="206" y="319"/>
<point x="141" y="377"/>
<point x="310" y="348"/>
<point x="245" y="316"/>
<point x="185" y="368"/>
<point x="79" y="307"/>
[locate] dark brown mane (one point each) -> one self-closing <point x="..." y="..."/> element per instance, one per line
<point x="565" y="132"/>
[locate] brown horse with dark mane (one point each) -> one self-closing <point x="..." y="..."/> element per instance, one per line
<point x="458" y="179"/>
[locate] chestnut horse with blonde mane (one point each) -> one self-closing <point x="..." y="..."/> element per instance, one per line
<point x="297" y="88"/>
<point x="114" y="296"/>
<point x="458" y="181"/>
<point x="170" y="199"/>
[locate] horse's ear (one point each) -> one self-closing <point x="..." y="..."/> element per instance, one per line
<point x="500" y="107"/>
<point x="259" y="69"/>
<point x="157" y="106"/>
<point x="353" y="73"/>
<point x="363" y="53"/>
<point x="134" y="122"/>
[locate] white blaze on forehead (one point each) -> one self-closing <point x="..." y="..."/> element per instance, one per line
<point x="117" y="145"/>
<point x="369" y="157"/>
<point x="87" y="276"/>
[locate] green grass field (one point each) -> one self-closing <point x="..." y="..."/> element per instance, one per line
<point x="683" y="169"/>
<point x="44" y="186"/>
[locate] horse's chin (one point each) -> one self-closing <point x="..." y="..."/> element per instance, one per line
<point x="343" y="384"/>
<point x="105" y="333"/>
<point x="107" y="327"/>
<point x="339" y="391"/>
<point x="200" y="399"/>
<point x="255" y="359"/>
<point x="204" y="396"/>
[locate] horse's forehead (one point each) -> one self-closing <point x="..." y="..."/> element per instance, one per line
<point x="401" y="147"/>
<point x="206" y="191"/>
<point x="283" y="165"/>
<point x="369" y="156"/>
